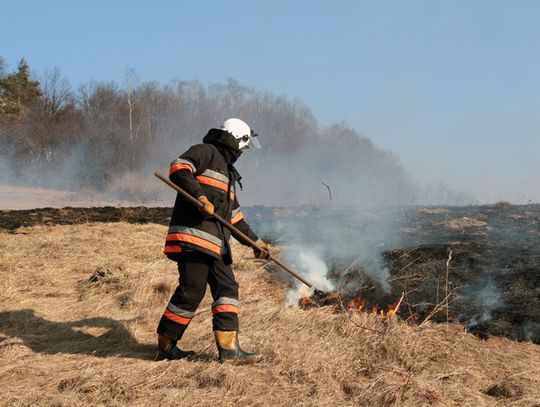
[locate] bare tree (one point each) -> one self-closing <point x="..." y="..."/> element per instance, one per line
<point x="131" y="78"/>
<point x="57" y="96"/>
<point x="54" y="118"/>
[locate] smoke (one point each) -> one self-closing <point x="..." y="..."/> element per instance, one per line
<point x="440" y="194"/>
<point x="111" y="139"/>
<point x="345" y="245"/>
<point x="108" y="139"/>
<point x="313" y="268"/>
<point x="485" y="297"/>
<point x="531" y="331"/>
<point x="4" y="170"/>
<point x="332" y="165"/>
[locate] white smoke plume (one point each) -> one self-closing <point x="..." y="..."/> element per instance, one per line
<point x="336" y="248"/>
<point x="486" y="298"/>
<point x="313" y="268"/>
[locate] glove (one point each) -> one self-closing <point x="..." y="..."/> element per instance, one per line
<point x="208" y="208"/>
<point x="265" y="252"/>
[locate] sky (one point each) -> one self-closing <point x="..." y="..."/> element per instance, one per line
<point x="450" y="87"/>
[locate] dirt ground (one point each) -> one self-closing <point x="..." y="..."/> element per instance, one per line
<point x="69" y="341"/>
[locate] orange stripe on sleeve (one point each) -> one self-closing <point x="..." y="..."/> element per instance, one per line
<point x="176" y="318"/>
<point x="212" y="182"/>
<point x="177" y="167"/>
<point x="224" y="308"/>
<point x="237" y="218"/>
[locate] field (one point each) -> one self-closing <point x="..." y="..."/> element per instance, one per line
<point x="21" y="197"/>
<point x="79" y="306"/>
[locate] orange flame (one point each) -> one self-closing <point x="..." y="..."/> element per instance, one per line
<point x="356" y="304"/>
<point x="394" y="308"/>
<point x="305" y="302"/>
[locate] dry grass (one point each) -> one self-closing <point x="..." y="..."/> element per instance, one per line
<point x="68" y="341"/>
<point x="464" y="222"/>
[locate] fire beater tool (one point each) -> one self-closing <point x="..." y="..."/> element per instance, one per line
<point x="229" y="226"/>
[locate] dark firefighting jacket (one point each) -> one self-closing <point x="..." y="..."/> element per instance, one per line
<point x="205" y="169"/>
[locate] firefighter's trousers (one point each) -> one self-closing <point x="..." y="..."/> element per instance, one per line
<point x="196" y="270"/>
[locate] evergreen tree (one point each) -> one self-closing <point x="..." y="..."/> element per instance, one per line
<point x="17" y="90"/>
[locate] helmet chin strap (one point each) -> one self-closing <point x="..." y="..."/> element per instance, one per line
<point x="235" y="157"/>
<point x="230" y="167"/>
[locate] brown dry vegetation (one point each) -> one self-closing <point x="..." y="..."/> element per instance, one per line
<point x="68" y="341"/>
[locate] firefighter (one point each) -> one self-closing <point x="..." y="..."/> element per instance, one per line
<point x="200" y="245"/>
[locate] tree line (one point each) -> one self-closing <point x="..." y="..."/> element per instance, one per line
<point x="110" y="137"/>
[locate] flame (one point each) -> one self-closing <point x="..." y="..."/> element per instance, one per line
<point x="305" y="302"/>
<point x="357" y="304"/>
<point x="394" y="308"/>
<point x="303" y="296"/>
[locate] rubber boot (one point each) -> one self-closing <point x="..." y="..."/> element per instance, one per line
<point x="230" y="351"/>
<point x="167" y="349"/>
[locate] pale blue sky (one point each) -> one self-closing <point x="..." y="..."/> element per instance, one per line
<point x="451" y="87"/>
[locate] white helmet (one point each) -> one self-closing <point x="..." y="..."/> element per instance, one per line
<point x="241" y="132"/>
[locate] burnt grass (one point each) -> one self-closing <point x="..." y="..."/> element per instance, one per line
<point x="492" y="282"/>
<point x="13" y="219"/>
